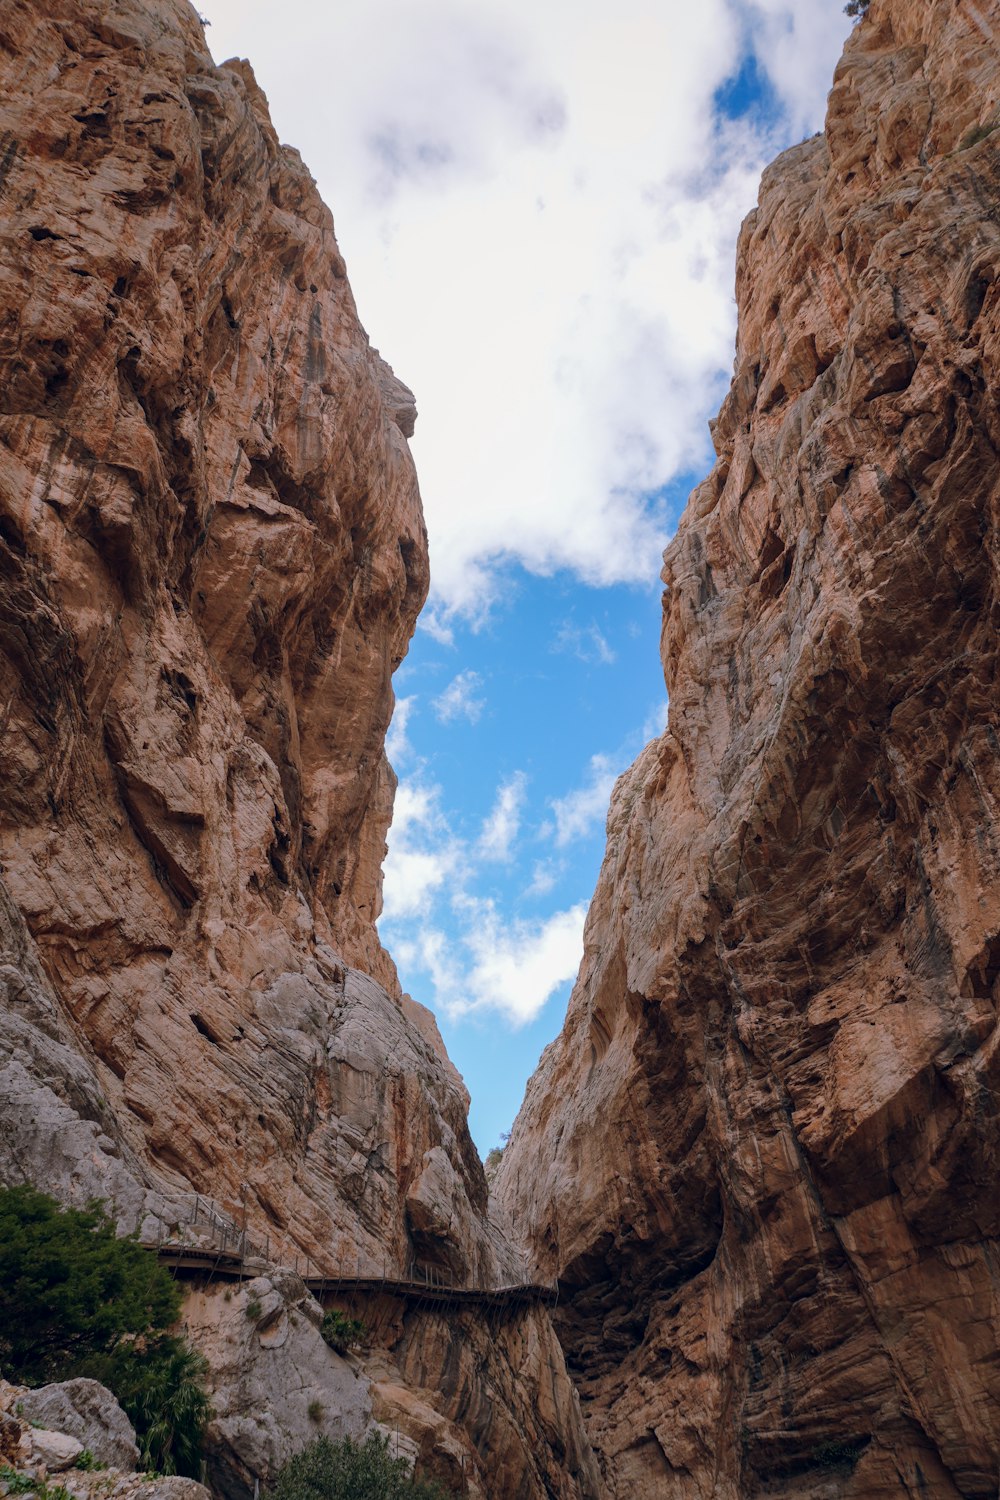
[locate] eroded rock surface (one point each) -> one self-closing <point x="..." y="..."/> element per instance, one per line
<point x="87" y="1423"/>
<point x="275" y="1385"/>
<point x="212" y="554"/>
<point x="762" y="1155"/>
<point x="86" y="1410"/>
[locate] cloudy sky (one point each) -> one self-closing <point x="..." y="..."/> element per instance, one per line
<point x="538" y="202"/>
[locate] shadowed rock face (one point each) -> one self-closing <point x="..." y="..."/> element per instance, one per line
<point x="762" y="1156"/>
<point x="212" y="555"/>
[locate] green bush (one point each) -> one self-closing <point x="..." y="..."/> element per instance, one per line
<point x="838" y="1453"/>
<point x="69" y="1287"/>
<point x="160" y="1384"/>
<point x="856" y="7"/>
<point x="87" y="1461"/>
<point x="75" y="1299"/>
<point x="350" y="1471"/>
<point x="15" y="1483"/>
<point x="340" y="1331"/>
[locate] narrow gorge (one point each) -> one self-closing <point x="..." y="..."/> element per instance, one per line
<point x="760" y="1161"/>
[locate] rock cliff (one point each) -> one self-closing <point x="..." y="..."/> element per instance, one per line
<point x="212" y="554"/>
<point x="762" y="1156"/>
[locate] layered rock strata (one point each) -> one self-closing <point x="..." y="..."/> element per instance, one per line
<point x="212" y="554"/>
<point x="762" y="1155"/>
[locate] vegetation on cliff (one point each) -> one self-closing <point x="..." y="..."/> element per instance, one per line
<point x="351" y="1471"/>
<point x="77" y="1299"/>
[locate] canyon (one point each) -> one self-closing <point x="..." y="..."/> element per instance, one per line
<point x="760" y="1161"/>
<point x="212" y="556"/>
<point x="762" y="1156"/>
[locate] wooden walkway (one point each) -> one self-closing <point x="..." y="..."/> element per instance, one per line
<point x="231" y="1265"/>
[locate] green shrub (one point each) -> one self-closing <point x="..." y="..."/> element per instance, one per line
<point x="340" y="1331"/>
<point x="856" y="7"/>
<point x="87" y="1461"/>
<point x="253" y="1309"/>
<point x="495" y="1156"/>
<point x="26" y="1484"/>
<point x="838" y="1453"/>
<point x="75" y="1299"/>
<point x="15" y="1483"/>
<point x="350" y="1471"/>
<point x="69" y="1287"/>
<point x="160" y="1384"/>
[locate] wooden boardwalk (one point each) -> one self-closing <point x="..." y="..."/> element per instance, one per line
<point x="232" y="1265"/>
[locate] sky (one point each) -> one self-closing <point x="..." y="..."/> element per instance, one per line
<point x="538" y="203"/>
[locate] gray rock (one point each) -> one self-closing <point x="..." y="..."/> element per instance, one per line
<point x="87" y="1411"/>
<point x="275" y="1385"/>
<point x="56" y="1450"/>
<point x="174" y="1487"/>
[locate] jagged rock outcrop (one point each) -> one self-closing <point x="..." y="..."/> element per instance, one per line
<point x="212" y="554"/>
<point x="87" y="1411"/>
<point x="275" y="1384"/>
<point x="762" y="1156"/>
<point x="86" y="1420"/>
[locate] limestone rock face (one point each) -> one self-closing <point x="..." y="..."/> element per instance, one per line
<point x="86" y="1410"/>
<point x="762" y="1155"/>
<point x="212" y="555"/>
<point x="274" y="1383"/>
<point x="86" y="1416"/>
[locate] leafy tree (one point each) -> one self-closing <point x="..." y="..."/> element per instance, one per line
<point x="69" y="1287"/>
<point x="350" y="1471"/>
<point x="75" y="1299"/>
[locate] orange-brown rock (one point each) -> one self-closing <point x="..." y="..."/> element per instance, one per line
<point x="212" y="554"/>
<point x="762" y="1156"/>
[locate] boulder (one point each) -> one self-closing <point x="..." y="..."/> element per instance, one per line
<point x="87" y="1411"/>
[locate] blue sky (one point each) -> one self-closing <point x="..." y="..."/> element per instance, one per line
<point x="538" y="203"/>
<point x="504" y="790"/>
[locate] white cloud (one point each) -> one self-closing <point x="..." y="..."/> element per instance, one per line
<point x="544" y="876"/>
<point x="397" y="745"/>
<point x="423" y="856"/>
<point x="503" y="824"/>
<point x="431" y="622"/>
<point x="459" y="700"/>
<point x="519" y="965"/>
<point x="585" y="642"/>
<point x="798" y="46"/>
<point x="586" y="808"/>
<point x="475" y="956"/>
<point x="498" y="965"/>
<point x="655" y="722"/>
<point x="539" y="206"/>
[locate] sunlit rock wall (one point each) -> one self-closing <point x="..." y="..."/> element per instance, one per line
<point x="212" y="555"/>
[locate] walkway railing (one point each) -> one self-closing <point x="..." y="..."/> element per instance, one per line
<point x="208" y="1241"/>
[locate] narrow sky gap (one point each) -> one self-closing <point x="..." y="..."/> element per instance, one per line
<point x="539" y="207"/>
